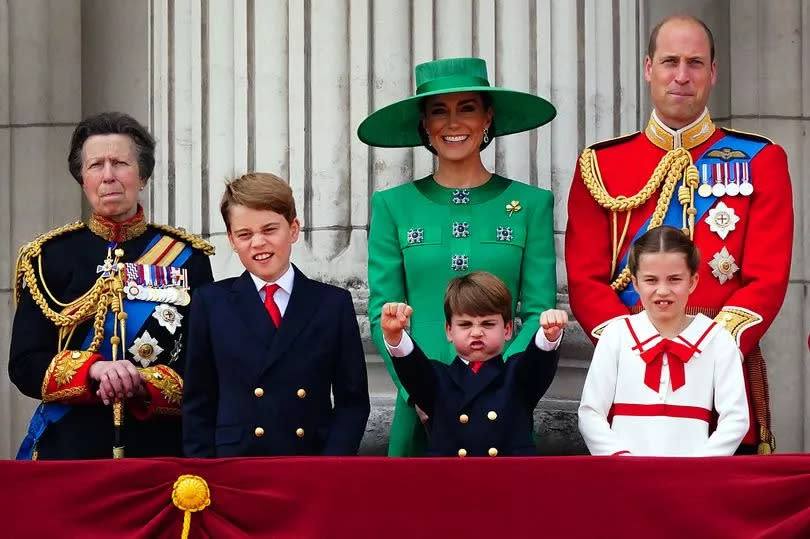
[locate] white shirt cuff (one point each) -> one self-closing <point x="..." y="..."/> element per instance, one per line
<point x="402" y="349"/>
<point x="544" y="344"/>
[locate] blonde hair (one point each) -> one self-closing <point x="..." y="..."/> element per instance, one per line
<point x="258" y="191"/>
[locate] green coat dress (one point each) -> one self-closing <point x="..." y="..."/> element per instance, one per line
<point x="422" y="235"/>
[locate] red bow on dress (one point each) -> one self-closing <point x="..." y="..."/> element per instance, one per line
<point x="654" y="358"/>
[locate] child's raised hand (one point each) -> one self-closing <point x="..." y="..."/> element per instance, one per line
<point x="553" y="321"/>
<point x="395" y="318"/>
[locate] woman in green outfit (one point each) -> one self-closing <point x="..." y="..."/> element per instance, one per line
<point x="460" y="219"/>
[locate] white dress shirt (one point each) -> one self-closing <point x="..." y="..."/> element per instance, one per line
<point x="282" y="295"/>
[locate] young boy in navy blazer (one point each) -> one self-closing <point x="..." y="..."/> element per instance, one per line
<point x="480" y="404"/>
<point x="268" y="349"/>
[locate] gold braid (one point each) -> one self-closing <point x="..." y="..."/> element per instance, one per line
<point x="195" y="241"/>
<point x="95" y="302"/>
<point x="675" y="164"/>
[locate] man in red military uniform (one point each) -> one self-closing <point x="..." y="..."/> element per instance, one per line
<point x="730" y="191"/>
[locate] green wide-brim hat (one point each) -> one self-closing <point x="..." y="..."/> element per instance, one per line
<point x="396" y="126"/>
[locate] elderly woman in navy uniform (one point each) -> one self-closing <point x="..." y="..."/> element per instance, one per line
<point x="111" y="288"/>
<point x="459" y="219"/>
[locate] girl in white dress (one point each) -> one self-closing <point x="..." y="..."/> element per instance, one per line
<point x="657" y="376"/>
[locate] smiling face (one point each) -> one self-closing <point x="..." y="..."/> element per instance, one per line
<point x="478" y="338"/>
<point x="681" y="74"/>
<point x="455" y="124"/>
<point x="663" y="281"/>
<point x="263" y="240"/>
<point x="110" y="176"/>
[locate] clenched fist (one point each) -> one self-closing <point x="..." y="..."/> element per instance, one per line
<point x="553" y="321"/>
<point x="395" y="318"/>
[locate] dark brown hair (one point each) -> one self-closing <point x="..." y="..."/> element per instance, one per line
<point x="653" y="43"/>
<point x="112" y="123"/>
<point x="477" y="294"/>
<point x="664" y="239"/>
<point x="258" y="191"/>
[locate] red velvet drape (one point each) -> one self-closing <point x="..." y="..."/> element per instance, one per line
<point x="566" y="497"/>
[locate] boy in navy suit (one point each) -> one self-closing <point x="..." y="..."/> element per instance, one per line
<point x="267" y="350"/>
<point x="480" y="404"/>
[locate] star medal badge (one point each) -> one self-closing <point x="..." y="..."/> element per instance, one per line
<point x="723" y="265"/>
<point x="145" y="350"/>
<point x="168" y="317"/>
<point x="722" y="219"/>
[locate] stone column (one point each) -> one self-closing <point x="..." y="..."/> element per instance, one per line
<point x="40" y="103"/>
<point x="769" y="76"/>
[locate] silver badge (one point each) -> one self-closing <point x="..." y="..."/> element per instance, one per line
<point x="168" y="317"/>
<point x="722" y="219"/>
<point x="145" y="350"/>
<point x="723" y="265"/>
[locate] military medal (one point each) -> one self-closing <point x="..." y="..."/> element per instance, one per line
<point x="722" y="219"/>
<point x="723" y="265"/>
<point x="705" y="189"/>
<point x="159" y="284"/>
<point x="746" y="188"/>
<point x="719" y="188"/>
<point x="733" y="187"/>
<point x="168" y="317"/>
<point x="145" y="350"/>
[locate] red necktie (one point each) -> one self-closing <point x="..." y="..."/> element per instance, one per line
<point x="270" y="303"/>
<point x="476" y="366"/>
<point x="677" y="353"/>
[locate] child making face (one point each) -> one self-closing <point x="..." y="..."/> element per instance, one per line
<point x="481" y="404"/>
<point x="661" y="373"/>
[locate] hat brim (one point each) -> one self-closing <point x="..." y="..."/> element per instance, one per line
<point x="395" y="126"/>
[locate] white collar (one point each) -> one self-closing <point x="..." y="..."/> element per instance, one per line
<point x="696" y="334"/>
<point x="285" y="282"/>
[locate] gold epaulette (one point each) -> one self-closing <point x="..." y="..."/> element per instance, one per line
<point x="192" y="239"/>
<point x="613" y="141"/>
<point x="747" y="135"/>
<point x="33" y="249"/>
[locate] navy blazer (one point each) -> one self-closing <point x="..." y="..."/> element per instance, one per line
<point x="490" y="412"/>
<point x="252" y="389"/>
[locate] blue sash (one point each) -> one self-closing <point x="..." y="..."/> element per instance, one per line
<point x="48" y="413"/>
<point x="674" y="215"/>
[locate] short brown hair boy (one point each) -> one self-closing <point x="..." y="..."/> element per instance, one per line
<point x="477" y="294"/>
<point x="258" y="191"/>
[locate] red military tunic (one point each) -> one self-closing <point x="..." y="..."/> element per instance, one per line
<point x="753" y="260"/>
